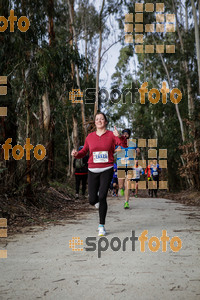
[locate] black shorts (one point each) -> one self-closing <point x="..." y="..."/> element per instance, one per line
<point x="136" y="180"/>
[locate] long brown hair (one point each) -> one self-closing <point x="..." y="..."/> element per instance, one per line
<point x="91" y="123"/>
<point x="101" y="113"/>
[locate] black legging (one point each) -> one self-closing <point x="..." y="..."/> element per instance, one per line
<point x="80" y="178"/>
<point x="155" y="178"/>
<point x="99" y="182"/>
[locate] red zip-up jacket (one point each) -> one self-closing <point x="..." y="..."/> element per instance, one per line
<point x="105" y="142"/>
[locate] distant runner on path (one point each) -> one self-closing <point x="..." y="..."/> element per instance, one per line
<point x="81" y="173"/>
<point x="155" y="172"/>
<point x="126" y="167"/>
<point x="101" y="145"/>
<point x="137" y="172"/>
<point x="114" y="182"/>
<point x="149" y="177"/>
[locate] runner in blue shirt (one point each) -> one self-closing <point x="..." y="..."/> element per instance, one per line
<point x="125" y="162"/>
<point x="155" y="171"/>
<point x="137" y="171"/>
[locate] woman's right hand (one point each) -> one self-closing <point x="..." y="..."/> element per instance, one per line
<point x="118" y="149"/>
<point x="74" y="152"/>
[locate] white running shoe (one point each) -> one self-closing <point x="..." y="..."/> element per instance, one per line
<point x="97" y="205"/>
<point x="102" y="231"/>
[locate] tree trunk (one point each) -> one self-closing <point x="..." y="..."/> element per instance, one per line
<point x="86" y="40"/>
<point x="69" y="150"/>
<point x="74" y="119"/>
<point x="96" y="105"/>
<point x="196" y="27"/>
<point x="185" y="64"/>
<point x="28" y="162"/>
<point x="75" y="133"/>
<point x="51" y="130"/>
<point x="199" y="13"/>
<point x="176" y="105"/>
<point x="186" y="17"/>
<point x="71" y="13"/>
<point x="191" y="105"/>
<point x="51" y="29"/>
<point x="178" y="114"/>
<point x="46" y="110"/>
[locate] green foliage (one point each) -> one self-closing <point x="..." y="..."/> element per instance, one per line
<point x="36" y="63"/>
<point x="158" y="120"/>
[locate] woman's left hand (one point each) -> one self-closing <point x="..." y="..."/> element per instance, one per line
<point x="115" y="132"/>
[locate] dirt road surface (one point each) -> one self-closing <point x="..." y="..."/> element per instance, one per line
<point x="41" y="265"/>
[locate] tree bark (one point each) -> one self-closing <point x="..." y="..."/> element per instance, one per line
<point x="176" y="105"/>
<point x="71" y="13"/>
<point x="185" y="64"/>
<point x="69" y="149"/>
<point x="86" y="54"/>
<point x="197" y="42"/>
<point x="186" y="17"/>
<point x="48" y="121"/>
<point x="74" y="120"/>
<point x="46" y="110"/>
<point x="178" y="114"/>
<point x="199" y="13"/>
<point x="28" y="162"/>
<point x="96" y="105"/>
<point x="51" y="29"/>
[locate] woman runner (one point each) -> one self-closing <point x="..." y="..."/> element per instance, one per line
<point x="101" y="145"/>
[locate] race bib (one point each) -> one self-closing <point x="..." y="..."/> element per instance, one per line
<point x="100" y="157"/>
<point x="155" y="173"/>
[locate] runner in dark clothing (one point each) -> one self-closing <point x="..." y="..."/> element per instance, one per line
<point x="155" y="171"/>
<point x="81" y="173"/>
<point x="114" y="182"/>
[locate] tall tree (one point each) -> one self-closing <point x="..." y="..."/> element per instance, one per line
<point x="99" y="56"/>
<point x="197" y="39"/>
<point x="71" y="13"/>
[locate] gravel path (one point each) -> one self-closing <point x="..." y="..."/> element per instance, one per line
<point x="41" y="265"/>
